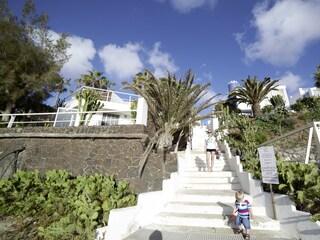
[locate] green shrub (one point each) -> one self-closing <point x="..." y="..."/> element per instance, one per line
<point x="60" y="206"/>
<point x="300" y="181"/>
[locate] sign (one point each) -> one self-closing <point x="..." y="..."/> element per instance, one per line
<point x="268" y="165"/>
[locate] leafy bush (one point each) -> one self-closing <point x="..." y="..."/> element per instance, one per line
<point x="60" y="206"/>
<point x="309" y="107"/>
<point x="301" y="181"/>
<point x="245" y="136"/>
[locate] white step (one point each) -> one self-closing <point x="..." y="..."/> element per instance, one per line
<point x="203" y="168"/>
<point x="212" y="220"/>
<point x="218" y="164"/>
<point x="225" y="209"/>
<point x="189" y="195"/>
<point x="202" y="233"/>
<point x="211" y="186"/>
<point x="219" y="174"/>
<point x="209" y="179"/>
<point x="203" y="161"/>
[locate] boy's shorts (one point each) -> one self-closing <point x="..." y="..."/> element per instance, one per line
<point x="244" y="221"/>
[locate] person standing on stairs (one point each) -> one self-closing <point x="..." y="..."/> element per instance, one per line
<point x="211" y="150"/>
<point x="244" y="212"/>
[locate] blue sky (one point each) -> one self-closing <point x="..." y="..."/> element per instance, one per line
<point x="220" y="40"/>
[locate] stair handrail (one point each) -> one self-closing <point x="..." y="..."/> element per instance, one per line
<point x="314" y="128"/>
<point x="286" y="135"/>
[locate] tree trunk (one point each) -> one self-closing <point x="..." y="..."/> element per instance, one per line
<point x="165" y="138"/>
<point x="57" y="100"/>
<point x="256" y="112"/>
<point x="145" y="155"/>
<point x="177" y="145"/>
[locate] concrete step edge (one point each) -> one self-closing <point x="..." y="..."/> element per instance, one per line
<point x="212" y="220"/>
<point x="224" y="209"/>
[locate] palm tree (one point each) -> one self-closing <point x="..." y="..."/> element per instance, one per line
<point x="61" y="89"/>
<point x="173" y="104"/>
<point x="253" y="92"/>
<point x="317" y="77"/>
<point x="95" y="79"/>
<point x="89" y="99"/>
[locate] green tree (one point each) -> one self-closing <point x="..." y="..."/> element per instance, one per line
<point x="95" y="79"/>
<point x="88" y="98"/>
<point x="253" y="92"/>
<point x="61" y="88"/>
<point x="30" y="60"/>
<point x="278" y="105"/>
<point x="316" y="77"/>
<point x="276" y="114"/>
<point x="173" y="104"/>
<point x="88" y="101"/>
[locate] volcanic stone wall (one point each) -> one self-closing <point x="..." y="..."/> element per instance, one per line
<point x="85" y="150"/>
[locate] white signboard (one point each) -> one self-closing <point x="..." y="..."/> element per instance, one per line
<point x="268" y="165"/>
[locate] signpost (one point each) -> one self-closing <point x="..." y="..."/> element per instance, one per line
<point x="269" y="170"/>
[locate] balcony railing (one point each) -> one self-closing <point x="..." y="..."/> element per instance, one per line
<point x="65" y="117"/>
<point x="107" y="95"/>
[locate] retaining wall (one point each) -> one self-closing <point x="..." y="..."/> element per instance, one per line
<point x="86" y="150"/>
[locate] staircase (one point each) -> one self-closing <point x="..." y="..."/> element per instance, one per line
<point x="204" y="203"/>
<point x="206" y="199"/>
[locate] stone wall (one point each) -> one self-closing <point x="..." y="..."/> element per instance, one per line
<point x="86" y="150"/>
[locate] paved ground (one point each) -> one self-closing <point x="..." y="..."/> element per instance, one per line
<point x="156" y="232"/>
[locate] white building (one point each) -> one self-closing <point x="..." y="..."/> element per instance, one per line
<point x="116" y="110"/>
<point x="309" y="92"/>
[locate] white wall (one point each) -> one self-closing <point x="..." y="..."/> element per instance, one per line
<point x="142" y="112"/>
<point x="198" y="137"/>
<point x="125" y="221"/>
<point x="309" y="91"/>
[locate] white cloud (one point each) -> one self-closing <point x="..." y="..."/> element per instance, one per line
<point x="161" y="61"/>
<point x="186" y="6"/>
<point x="82" y="52"/>
<point x="121" y="62"/>
<point x="210" y="94"/>
<point x="291" y="81"/>
<point x="283" y="31"/>
<point x="208" y="76"/>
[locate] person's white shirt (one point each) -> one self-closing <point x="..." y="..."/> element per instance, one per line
<point x="211" y="142"/>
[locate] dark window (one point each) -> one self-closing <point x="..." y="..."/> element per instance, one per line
<point x="110" y="119"/>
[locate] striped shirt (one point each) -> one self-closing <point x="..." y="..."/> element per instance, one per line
<point x="243" y="208"/>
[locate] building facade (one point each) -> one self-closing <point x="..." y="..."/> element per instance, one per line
<point x="119" y="108"/>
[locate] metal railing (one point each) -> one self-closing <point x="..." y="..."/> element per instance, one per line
<point x="106" y="95"/>
<point x="314" y="133"/>
<point x="68" y="118"/>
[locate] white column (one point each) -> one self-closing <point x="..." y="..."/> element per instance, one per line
<point x="142" y="111"/>
<point x="316" y="130"/>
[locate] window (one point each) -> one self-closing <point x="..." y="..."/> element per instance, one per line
<point x="110" y="119"/>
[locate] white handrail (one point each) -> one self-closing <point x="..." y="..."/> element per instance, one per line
<point x="54" y="114"/>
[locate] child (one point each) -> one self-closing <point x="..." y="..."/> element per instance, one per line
<point x="243" y="208"/>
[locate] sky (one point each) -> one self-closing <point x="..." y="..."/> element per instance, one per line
<point x="219" y="40"/>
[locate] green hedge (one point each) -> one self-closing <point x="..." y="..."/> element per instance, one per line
<point x="300" y="181"/>
<point x="59" y="205"/>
